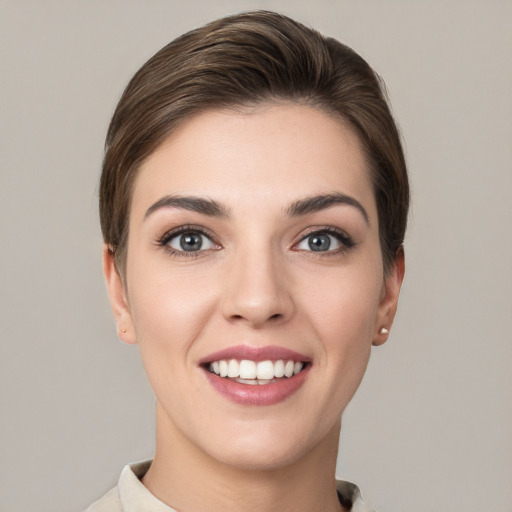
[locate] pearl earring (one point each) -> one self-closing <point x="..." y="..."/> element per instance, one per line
<point x="383" y="331"/>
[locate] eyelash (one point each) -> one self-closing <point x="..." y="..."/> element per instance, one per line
<point x="173" y="233"/>
<point x="346" y="241"/>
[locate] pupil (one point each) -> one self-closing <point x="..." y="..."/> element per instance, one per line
<point x="191" y="242"/>
<point x="319" y="242"/>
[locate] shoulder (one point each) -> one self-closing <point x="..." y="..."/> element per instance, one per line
<point x="110" y="502"/>
<point x="129" y="493"/>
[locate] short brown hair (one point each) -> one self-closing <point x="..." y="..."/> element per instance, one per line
<point x="241" y="60"/>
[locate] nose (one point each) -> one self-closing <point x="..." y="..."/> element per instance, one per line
<point x="258" y="290"/>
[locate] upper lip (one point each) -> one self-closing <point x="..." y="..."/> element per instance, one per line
<point x="266" y="353"/>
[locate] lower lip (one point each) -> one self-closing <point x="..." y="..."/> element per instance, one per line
<point x="258" y="394"/>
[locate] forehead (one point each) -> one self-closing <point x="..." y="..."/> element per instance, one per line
<point x="266" y="155"/>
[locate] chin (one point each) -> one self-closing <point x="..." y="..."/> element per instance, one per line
<point x="270" y="446"/>
<point x="267" y="457"/>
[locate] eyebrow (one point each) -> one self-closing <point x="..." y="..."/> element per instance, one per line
<point x="195" y="204"/>
<point x="322" y="202"/>
<point x="213" y="208"/>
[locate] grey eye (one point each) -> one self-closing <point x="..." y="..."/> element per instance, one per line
<point x="190" y="241"/>
<point x="319" y="242"/>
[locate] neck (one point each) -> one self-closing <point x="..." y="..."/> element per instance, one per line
<point x="189" y="480"/>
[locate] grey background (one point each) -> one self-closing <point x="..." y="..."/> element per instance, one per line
<point x="431" y="427"/>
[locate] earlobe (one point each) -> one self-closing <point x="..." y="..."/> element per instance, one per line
<point x="389" y="301"/>
<point x="118" y="297"/>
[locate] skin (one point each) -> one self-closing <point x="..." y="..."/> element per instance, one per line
<point x="256" y="283"/>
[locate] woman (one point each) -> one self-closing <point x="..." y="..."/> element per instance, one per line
<point x="253" y="204"/>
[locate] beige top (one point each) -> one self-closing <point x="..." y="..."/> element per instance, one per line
<point x="131" y="496"/>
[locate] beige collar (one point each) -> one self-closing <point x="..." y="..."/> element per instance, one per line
<point x="136" y="498"/>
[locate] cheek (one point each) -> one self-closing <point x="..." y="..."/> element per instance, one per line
<point x="343" y="317"/>
<point x="169" y="309"/>
<point x="169" y="314"/>
<point x="343" y="306"/>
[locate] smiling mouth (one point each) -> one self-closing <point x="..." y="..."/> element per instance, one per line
<point x="250" y="372"/>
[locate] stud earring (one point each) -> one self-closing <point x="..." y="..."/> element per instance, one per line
<point x="383" y="330"/>
<point x="124" y="330"/>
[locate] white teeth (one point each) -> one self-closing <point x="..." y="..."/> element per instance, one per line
<point x="247" y="369"/>
<point x="279" y="368"/>
<point x="255" y="382"/>
<point x="233" y="368"/>
<point x="251" y="382"/>
<point x="251" y="372"/>
<point x="265" y="370"/>
<point x="223" y="368"/>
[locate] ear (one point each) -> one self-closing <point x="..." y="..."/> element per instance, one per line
<point x="389" y="299"/>
<point x="118" y="298"/>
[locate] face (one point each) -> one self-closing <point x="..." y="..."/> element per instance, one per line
<point x="254" y="282"/>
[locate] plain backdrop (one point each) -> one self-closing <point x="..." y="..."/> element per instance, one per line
<point x="431" y="427"/>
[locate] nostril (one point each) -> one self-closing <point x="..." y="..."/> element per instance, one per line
<point x="274" y="317"/>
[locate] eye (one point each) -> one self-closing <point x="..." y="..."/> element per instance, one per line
<point x="325" y="241"/>
<point x="189" y="241"/>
